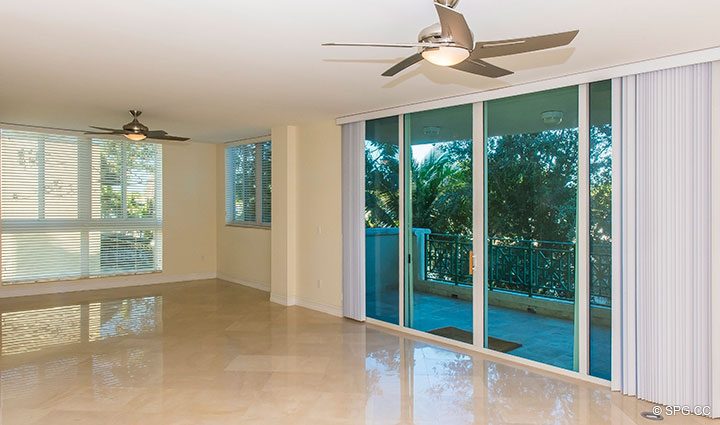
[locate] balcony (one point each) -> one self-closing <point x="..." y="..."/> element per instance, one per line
<point x="530" y="291"/>
<point x="532" y="268"/>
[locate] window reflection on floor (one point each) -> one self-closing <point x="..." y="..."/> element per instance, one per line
<point x="124" y="317"/>
<point x="28" y="380"/>
<point x="407" y="379"/>
<point x="35" y="330"/>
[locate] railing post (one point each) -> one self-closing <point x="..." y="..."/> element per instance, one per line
<point x="426" y="238"/>
<point x="568" y="273"/>
<point x="489" y="265"/>
<point x="456" y="252"/>
<point x="532" y="260"/>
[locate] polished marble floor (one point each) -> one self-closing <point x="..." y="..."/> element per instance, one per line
<point x="211" y="352"/>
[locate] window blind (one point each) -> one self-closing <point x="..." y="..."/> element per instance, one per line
<point x="248" y="184"/>
<point x="75" y="207"/>
<point x="266" y="182"/>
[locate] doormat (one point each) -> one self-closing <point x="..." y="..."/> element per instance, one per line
<point x="458" y="334"/>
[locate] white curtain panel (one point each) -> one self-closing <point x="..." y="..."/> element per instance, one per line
<point x="353" y="219"/>
<point x="663" y="352"/>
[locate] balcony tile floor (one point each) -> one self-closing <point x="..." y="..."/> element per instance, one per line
<point x="211" y="352"/>
<point x="545" y="339"/>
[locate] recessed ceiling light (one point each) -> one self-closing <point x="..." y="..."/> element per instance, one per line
<point x="431" y="130"/>
<point x="552" y="117"/>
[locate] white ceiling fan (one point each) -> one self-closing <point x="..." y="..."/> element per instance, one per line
<point x="451" y="43"/>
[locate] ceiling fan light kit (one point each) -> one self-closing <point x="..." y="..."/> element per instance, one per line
<point x="136" y="137"/>
<point x="445" y="55"/>
<point x="450" y="43"/>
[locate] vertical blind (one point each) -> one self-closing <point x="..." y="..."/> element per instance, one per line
<point x="75" y="207"/>
<point x="248" y="183"/>
<point x="353" y="220"/>
<point x="664" y="349"/>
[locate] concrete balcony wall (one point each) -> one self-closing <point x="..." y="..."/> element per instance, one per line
<point x="382" y="255"/>
<point x="381" y="262"/>
<point x="543" y="306"/>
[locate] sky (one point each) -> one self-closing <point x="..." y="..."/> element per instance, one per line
<point x="419" y="152"/>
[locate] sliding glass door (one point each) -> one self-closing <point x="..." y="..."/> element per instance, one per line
<point x="543" y="219"/>
<point x="382" y="219"/>
<point x="531" y="147"/>
<point x="600" y="227"/>
<point x="438" y="222"/>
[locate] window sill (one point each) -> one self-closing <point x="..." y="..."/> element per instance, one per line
<point x="75" y="278"/>
<point x="249" y="225"/>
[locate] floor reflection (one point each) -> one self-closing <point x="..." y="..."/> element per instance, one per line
<point x="125" y="317"/>
<point x="35" y="330"/>
<point x="213" y="352"/>
<point x="411" y="381"/>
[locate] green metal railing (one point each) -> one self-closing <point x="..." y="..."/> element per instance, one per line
<point x="531" y="267"/>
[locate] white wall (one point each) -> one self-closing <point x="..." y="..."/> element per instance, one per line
<point x="319" y="217"/>
<point x="283" y="276"/>
<point x="306" y="235"/>
<point x="300" y="257"/>
<point x="189" y="226"/>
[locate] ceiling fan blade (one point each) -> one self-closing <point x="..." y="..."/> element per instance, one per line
<point x="405" y="63"/>
<point x="491" y="49"/>
<point x="402" y="45"/>
<point x="100" y="133"/>
<point x="112" y="130"/>
<point x="454" y="26"/>
<point x="156" y="133"/>
<point x="483" y="68"/>
<point x="168" y="137"/>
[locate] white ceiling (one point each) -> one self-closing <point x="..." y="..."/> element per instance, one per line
<point x="219" y="70"/>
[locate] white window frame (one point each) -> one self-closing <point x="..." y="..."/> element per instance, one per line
<point x="229" y="188"/>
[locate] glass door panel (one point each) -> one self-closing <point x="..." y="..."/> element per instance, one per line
<point x="438" y="222"/>
<point x="531" y="148"/>
<point x="382" y="219"/>
<point x="600" y="227"/>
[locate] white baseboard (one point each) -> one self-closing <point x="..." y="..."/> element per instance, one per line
<point x="45" y="288"/>
<point x="282" y="299"/>
<point x="305" y="303"/>
<point x="321" y="307"/>
<point x="249" y="283"/>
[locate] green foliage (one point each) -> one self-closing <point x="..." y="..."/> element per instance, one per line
<point x="381" y="184"/>
<point x="531" y="186"/>
<point x="137" y="162"/>
<point x="442" y="189"/>
<point x="600" y="183"/>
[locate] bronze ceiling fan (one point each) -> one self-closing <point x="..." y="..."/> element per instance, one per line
<point x="451" y="43"/>
<point x="135" y="130"/>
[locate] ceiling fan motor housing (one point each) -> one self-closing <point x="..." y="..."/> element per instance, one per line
<point x="135" y="126"/>
<point x="433" y="34"/>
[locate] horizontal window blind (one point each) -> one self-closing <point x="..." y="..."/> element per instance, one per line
<point x="248" y="184"/>
<point x="75" y="207"/>
<point x="266" y="182"/>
